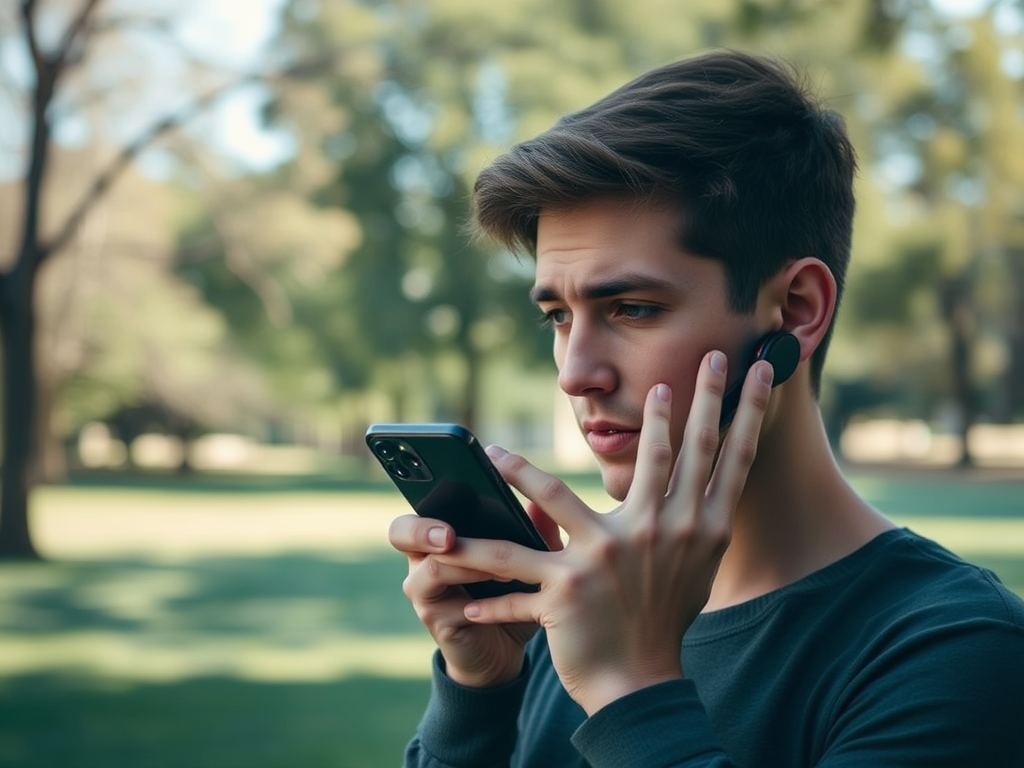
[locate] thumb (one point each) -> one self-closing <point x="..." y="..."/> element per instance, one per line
<point x="546" y="527"/>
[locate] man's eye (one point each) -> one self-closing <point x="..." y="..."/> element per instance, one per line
<point x="637" y="311"/>
<point x="554" y="317"/>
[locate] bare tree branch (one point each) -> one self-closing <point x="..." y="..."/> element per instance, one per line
<point x="166" y="33"/>
<point x="130" y="151"/>
<point x="28" y="10"/>
<point x="77" y="26"/>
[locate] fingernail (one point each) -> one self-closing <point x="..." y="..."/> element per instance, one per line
<point x="471" y="611"/>
<point x="495" y="451"/>
<point x="663" y="393"/>
<point x="718" y="362"/>
<point x="765" y="373"/>
<point x="437" y="536"/>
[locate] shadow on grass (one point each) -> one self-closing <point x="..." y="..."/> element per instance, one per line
<point x="360" y="722"/>
<point x="72" y="705"/>
<point x="284" y="597"/>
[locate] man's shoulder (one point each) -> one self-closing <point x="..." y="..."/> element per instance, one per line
<point x="915" y="574"/>
<point x="935" y="571"/>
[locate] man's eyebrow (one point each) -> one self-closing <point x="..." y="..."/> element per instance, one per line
<point x="608" y="288"/>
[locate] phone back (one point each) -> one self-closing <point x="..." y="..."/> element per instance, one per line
<point x="443" y="472"/>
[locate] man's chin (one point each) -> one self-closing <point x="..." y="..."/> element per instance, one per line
<point x="616" y="480"/>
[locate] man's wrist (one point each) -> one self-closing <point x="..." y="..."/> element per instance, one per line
<point x="486" y="678"/>
<point x="602" y="690"/>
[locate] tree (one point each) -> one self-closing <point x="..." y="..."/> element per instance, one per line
<point x="58" y="86"/>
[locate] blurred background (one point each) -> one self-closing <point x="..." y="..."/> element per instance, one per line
<point x="232" y="236"/>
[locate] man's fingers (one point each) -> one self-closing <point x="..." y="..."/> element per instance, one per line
<point x="498" y="559"/>
<point x="700" y="439"/>
<point x="413" y="534"/>
<point x="654" y="458"/>
<point x="740" y="445"/>
<point x="546" y="491"/>
<point x="512" y="608"/>
<point x="432" y="578"/>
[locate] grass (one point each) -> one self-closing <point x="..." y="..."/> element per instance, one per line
<point x="220" y="625"/>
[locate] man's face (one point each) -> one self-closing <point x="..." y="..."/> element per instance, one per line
<point x="629" y="309"/>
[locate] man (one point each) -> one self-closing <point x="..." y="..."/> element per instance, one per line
<point x="743" y="606"/>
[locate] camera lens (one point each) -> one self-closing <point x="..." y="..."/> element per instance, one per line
<point x="399" y="471"/>
<point x="384" y="450"/>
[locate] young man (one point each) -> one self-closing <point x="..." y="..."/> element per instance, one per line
<point x="743" y="606"/>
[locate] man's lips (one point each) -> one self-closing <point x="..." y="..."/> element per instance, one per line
<point x="606" y="438"/>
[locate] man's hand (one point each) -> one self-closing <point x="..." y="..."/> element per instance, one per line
<point x="619" y="597"/>
<point x="478" y="655"/>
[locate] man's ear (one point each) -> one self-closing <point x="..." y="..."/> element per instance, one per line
<point x="805" y="292"/>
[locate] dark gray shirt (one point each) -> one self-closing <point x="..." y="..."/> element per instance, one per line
<point x="900" y="654"/>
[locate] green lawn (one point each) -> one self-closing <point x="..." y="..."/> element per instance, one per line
<point x="213" y="626"/>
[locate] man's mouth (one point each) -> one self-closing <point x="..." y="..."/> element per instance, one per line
<point x="607" y="440"/>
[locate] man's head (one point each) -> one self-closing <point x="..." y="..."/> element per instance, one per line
<point x="758" y="172"/>
<point x="695" y="208"/>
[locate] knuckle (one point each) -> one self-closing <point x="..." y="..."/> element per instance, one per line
<point x="508" y="608"/>
<point x="660" y="454"/>
<point x="552" y="490"/>
<point x="409" y="587"/>
<point x="607" y="550"/>
<point x="684" y="532"/>
<point x="444" y="634"/>
<point x="646" y="536"/>
<point x="574" y="583"/>
<point x="745" y="450"/>
<point x="502" y="556"/>
<point x="707" y="440"/>
<point x="720" y="539"/>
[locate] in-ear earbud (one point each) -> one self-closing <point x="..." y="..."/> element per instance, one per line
<point x="782" y="350"/>
<point x="779" y="348"/>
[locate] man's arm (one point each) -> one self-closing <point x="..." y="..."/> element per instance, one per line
<point x="466" y="726"/>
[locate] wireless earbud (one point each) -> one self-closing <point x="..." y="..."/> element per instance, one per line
<point x="779" y="348"/>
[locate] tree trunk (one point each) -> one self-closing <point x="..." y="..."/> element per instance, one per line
<point x="957" y="315"/>
<point x="19" y="412"/>
<point x="50" y="465"/>
<point x="1012" y="400"/>
<point x="471" y="394"/>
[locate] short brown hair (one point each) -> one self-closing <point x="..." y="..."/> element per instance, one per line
<point x="761" y="172"/>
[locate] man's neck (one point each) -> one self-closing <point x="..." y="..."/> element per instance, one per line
<point x="797" y="515"/>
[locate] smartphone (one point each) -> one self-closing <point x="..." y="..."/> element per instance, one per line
<point x="443" y="472"/>
<point x="779" y="348"/>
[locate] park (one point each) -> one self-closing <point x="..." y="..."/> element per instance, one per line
<point x="232" y="236"/>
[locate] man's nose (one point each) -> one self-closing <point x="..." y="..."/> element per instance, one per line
<point x="585" y="365"/>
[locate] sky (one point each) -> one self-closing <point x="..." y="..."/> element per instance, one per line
<point x="235" y="32"/>
<point x="232" y="33"/>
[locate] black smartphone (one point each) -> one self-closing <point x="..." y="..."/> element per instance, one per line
<point x="779" y="348"/>
<point x="444" y="473"/>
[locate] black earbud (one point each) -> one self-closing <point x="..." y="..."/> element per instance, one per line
<point x="779" y="348"/>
